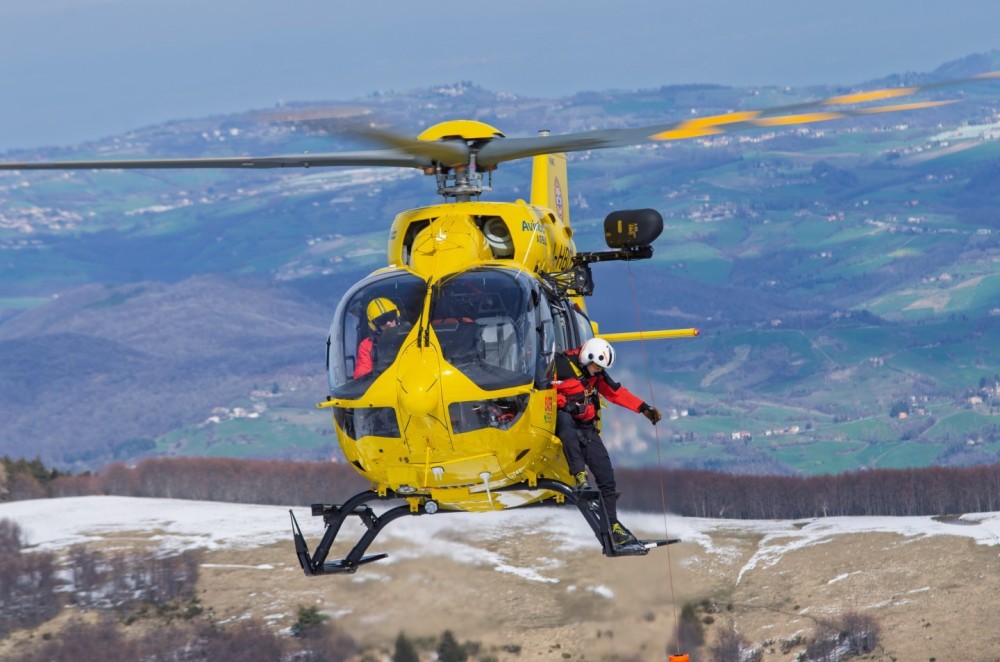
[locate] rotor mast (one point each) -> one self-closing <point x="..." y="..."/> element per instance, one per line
<point x="462" y="182"/>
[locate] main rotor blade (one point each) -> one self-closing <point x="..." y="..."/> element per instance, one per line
<point x="509" y="149"/>
<point x="381" y="157"/>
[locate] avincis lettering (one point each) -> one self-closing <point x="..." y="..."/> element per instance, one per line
<point x="537" y="228"/>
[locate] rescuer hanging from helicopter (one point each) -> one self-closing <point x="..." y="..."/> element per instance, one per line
<point x="580" y="378"/>
<point x="382" y="313"/>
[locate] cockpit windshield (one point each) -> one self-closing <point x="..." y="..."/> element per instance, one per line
<point x="368" y="330"/>
<point x="493" y="326"/>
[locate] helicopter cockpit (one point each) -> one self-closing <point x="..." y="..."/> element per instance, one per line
<point x="493" y="325"/>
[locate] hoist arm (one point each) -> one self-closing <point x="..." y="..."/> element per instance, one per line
<point x="650" y="335"/>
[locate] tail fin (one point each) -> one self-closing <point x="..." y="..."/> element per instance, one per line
<point x="549" y="184"/>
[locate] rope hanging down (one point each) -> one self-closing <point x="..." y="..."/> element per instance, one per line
<point x="678" y="657"/>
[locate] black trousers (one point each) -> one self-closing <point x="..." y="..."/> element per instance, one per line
<point x="584" y="447"/>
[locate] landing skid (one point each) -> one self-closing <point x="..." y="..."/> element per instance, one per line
<point x="590" y="504"/>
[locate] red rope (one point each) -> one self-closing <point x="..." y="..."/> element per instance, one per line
<point x="659" y="458"/>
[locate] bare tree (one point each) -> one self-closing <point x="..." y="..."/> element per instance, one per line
<point x="86" y="570"/>
<point x="24" y="486"/>
<point x="698" y="493"/>
<point x="248" y="640"/>
<point x="860" y="632"/>
<point x="28" y="595"/>
<point x="327" y="643"/>
<point x="824" y="645"/>
<point x="729" y="646"/>
<point x="82" y="641"/>
<point x="11" y="538"/>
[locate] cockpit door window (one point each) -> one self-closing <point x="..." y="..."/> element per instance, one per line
<point x="369" y="328"/>
<point x="486" y="325"/>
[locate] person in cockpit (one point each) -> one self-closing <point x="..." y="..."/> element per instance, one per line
<point x="382" y="314"/>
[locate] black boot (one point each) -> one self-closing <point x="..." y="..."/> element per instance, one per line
<point x="622" y="536"/>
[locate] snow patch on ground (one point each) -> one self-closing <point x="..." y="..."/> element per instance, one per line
<point x="475" y="539"/>
<point x="602" y="591"/>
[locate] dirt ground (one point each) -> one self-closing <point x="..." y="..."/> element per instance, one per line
<point x="592" y="608"/>
<point x="529" y="598"/>
<point x="934" y="597"/>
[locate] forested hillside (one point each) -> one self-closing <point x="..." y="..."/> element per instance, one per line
<point x="889" y="492"/>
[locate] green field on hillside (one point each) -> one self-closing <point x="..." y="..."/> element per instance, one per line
<point x="277" y="433"/>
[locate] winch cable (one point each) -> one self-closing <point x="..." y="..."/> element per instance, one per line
<point x="659" y="458"/>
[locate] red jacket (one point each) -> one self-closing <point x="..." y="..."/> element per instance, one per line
<point x="576" y="389"/>
<point x="363" y="361"/>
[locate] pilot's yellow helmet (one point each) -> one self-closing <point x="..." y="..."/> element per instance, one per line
<point x="380" y="311"/>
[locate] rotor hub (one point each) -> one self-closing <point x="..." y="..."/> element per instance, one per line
<point x="461" y="181"/>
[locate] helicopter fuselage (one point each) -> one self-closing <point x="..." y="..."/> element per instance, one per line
<point x="460" y="402"/>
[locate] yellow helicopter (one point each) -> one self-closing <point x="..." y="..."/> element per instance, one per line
<point x="455" y="410"/>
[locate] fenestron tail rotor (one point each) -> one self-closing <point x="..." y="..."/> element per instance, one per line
<point x="459" y="151"/>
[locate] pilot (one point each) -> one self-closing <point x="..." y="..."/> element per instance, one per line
<point x="579" y="380"/>
<point x="382" y="314"/>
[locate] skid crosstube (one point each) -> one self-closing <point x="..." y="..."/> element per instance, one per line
<point x="590" y="504"/>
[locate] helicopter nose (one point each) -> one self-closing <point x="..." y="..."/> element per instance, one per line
<point x="418" y="381"/>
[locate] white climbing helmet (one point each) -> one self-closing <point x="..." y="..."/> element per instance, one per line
<point x="599" y="351"/>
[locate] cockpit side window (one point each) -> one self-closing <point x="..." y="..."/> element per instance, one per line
<point x="561" y="325"/>
<point x="547" y="341"/>
<point x="584" y="331"/>
<point x="369" y="329"/>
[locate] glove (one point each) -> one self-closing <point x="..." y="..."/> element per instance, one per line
<point x="652" y="413"/>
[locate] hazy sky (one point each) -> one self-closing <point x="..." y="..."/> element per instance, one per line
<point x="73" y="70"/>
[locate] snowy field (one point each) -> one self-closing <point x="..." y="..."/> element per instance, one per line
<point x="53" y="524"/>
